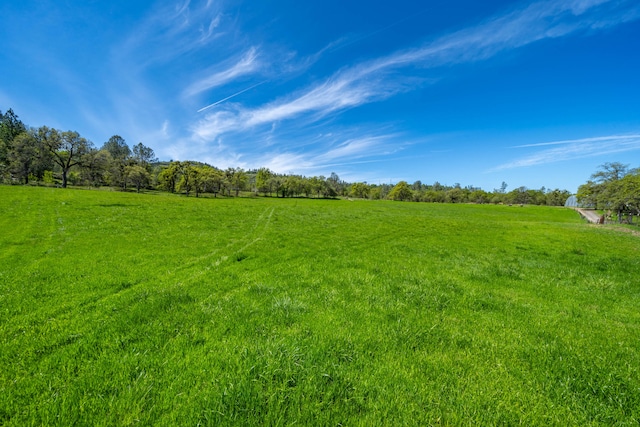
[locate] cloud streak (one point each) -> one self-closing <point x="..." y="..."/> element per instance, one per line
<point x="399" y="72"/>
<point x="348" y="152"/>
<point x="171" y="31"/>
<point x="574" y="149"/>
<point x="233" y="127"/>
<point x="248" y="64"/>
<point x="357" y="148"/>
<point x="231" y="96"/>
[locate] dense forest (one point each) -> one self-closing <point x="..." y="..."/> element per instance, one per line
<point x="46" y="156"/>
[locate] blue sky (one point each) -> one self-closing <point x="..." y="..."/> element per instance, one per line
<point x="533" y="93"/>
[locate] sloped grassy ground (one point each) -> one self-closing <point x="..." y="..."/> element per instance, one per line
<point x="120" y="309"/>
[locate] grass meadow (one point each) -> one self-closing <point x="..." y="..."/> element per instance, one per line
<point x="121" y="309"/>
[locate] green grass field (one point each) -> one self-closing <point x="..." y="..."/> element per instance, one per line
<point x="120" y="309"/>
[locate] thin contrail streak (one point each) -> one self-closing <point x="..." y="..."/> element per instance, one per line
<point x="571" y="141"/>
<point x="230" y="96"/>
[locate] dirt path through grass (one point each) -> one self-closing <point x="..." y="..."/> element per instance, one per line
<point x="591" y="216"/>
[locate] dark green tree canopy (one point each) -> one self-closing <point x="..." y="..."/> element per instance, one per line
<point x="10" y="128"/>
<point x="67" y="148"/>
<point x="610" y="172"/>
<point x="615" y="188"/>
<point x="117" y="147"/>
<point x="143" y="155"/>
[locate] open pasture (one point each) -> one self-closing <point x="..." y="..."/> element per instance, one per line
<point x="120" y="309"/>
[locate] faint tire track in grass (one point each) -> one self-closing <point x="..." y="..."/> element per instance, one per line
<point x="254" y="236"/>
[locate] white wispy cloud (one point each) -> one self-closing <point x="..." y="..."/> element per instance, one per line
<point x="207" y="31"/>
<point x="247" y="64"/>
<point x="538" y="21"/>
<point x="304" y="163"/>
<point x="169" y="31"/>
<point x="358" y="147"/>
<point x="332" y="150"/>
<point x="344" y="90"/>
<point x="253" y="129"/>
<point x="286" y="162"/>
<point x="292" y="150"/>
<point x="384" y="77"/>
<point x="611" y="138"/>
<point x="574" y="149"/>
<point x="153" y="49"/>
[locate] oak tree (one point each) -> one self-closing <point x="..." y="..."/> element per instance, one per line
<point x="67" y="148"/>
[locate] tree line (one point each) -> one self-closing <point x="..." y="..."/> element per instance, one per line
<point x="615" y="189"/>
<point x="52" y="157"/>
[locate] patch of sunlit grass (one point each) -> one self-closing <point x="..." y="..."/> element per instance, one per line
<point x="118" y="308"/>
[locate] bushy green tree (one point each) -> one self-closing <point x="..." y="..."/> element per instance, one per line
<point x="144" y="155"/>
<point x="610" y="172"/>
<point x="359" y="190"/>
<point x="613" y="188"/>
<point x="138" y="176"/>
<point x="10" y="128"/>
<point x="335" y="184"/>
<point x="317" y="185"/>
<point x="455" y="195"/>
<point x="401" y="192"/>
<point x="28" y="158"/>
<point x="168" y="177"/>
<point x="237" y="179"/>
<point x="117" y="147"/>
<point x="95" y="167"/>
<point x="556" y="197"/>
<point x="375" y="193"/>
<point x="120" y="159"/>
<point x="264" y="183"/>
<point x="185" y="180"/>
<point x="22" y="156"/>
<point x="479" y="196"/>
<point x="631" y="192"/>
<point x="67" y="148"/>
<point x="589" y="194"/>
<point x="212" y="179"/>
<point x="196" y="177"/>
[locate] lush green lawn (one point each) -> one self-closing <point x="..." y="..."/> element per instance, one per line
<point x="120" y="308"/>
